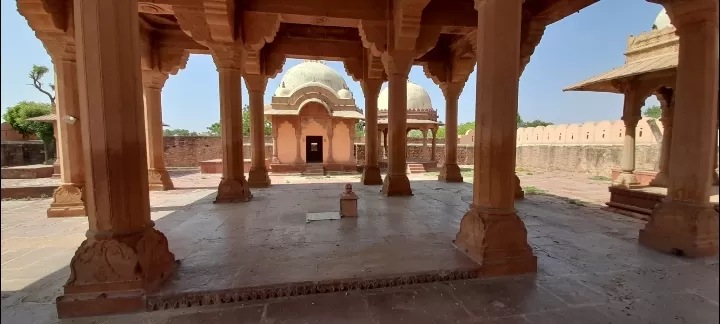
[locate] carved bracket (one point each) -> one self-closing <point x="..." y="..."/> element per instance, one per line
<point x="53" y="23"/>
<point x="259" y="29"/>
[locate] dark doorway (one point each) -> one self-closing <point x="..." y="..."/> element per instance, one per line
<point x="314" y="149"/>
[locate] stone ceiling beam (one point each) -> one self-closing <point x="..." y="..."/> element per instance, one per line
<point x="320" y="49"/>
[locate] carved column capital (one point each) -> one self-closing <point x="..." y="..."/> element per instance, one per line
<point x="398" y="62"/>
<point x="683" y="13"/>
<point x="227" y="56"/>
<point x="255" y="82"/>
<point x="154" y="79"/>
<point x="371" y="87"/>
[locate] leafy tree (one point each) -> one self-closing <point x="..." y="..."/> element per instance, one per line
<point x="360" y="128"/>
<point x="36" y="75"/>
<point x="179" y="132"/>
<point x="653" y="112"/>
<point x="214" y="129"/>
<point x="17" y="117"/>
<point x="535" y="123"/>
<point x="520" y="121"/>
<point x="440" y="132"/>
<point x="464" y="127"/>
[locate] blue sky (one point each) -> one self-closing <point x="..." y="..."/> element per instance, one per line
<point x="580" y="46"/>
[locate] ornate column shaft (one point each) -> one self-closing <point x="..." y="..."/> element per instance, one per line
<point x="432" y="146"/>
<point x="424" y="147"/>
<point x="298" y="138"/>
<point x="385" y="143"/>
<point x="330" y="133"/>
<point x="685" y="222"/>
<point x="68" y="198"/>
<point x="371" y="170"/>
<point x="668" y="108"/>
<point x="123" y="257"/>
<point x="631" y="116"/>
<point x="258" y="177"/>
<point x="491" y="232"/>
<point x="450" y="171"/>
<point x="158" y="177"/>
<point x="233" y="186"/>
<point x="275" y="158"/>
<point x="397" y="66"/>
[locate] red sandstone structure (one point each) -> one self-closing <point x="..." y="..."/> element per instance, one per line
<point x="108" y="55"/>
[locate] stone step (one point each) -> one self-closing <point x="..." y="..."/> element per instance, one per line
<point x="314" y="170"/>
<point x="416" y="168"/>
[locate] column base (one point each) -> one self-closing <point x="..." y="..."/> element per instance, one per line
<point x="258" y="178"/>
<point x="450" y="173"/>
<point x="682" y="228"/>
<point x="112" y="274"/>
<point x="57" y="172"/>
<point x="660" y="180"/>
<point x="159" y="180"/>
<point x="371" y="175"/>
<point x="627" y="180"/>
<point x="233" y="190"/>
<point x="519" y="193"/>
<point x="396" y="185"/>
<point x="498" y="242"/>
<point x="67" y="201"/>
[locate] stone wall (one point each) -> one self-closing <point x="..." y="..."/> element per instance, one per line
<point x="189" y="151"/>
<point x="22" y="153"/>
<point x="593" y="159"/>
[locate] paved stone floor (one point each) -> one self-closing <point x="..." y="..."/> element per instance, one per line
<point x="591" y="269"/>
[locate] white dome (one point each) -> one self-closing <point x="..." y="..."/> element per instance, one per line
<point x="662" y="20"/>
<point x="417" y="98"/>
<point x="312" y="71"/>
<point x="344" y="94"/>
<point x="281" y="91"/>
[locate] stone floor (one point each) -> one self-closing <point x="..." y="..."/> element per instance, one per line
<point x="591" y="269"/>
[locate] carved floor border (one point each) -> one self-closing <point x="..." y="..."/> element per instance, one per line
<point x="242" y="294"/>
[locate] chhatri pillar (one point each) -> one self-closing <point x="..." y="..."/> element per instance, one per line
<point x="450" y="171"/>
<point x="424" y="131"/>
<point x="397" y="66"/>
<point x="685" y="222"/>
<point x="433" y="144"/>
<point x="233" y="186"/>
<point x="666" y="98"/>
<point x="371" y="170"/>
<point x="491" y="232"/>
<point x="124" y="257"/>
<point x="158" y="177"/>
<point x="258" y="177"/>
<point x="274" y="123"/>
<point x="631" y="116"/>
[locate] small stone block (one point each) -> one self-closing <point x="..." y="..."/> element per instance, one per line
<point x="348" y="202"/>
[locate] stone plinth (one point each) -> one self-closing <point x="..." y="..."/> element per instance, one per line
<point x="643" y="177"/>
<point x="28" y="172"/>
<point x="215" y="166"/>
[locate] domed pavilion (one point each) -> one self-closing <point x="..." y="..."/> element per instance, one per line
<point x="420" y="116"/>
<point x="313" y="116"/>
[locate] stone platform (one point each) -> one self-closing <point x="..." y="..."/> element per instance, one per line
<point x="643" y="177"/>
<point x="28" y="171"/>
<point x="215" y="166"/>
<point x="640" y="202"/>
<point x="414" y="166"/>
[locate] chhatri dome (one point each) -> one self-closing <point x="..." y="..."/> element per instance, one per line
<point x="662" y="20"/>
<point x="417" y="98"/>
<point x="312" y="72"/>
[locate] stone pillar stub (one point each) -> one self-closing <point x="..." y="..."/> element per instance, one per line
<point x="233" y="185"/>
<point x="158" y="177"/>
<point x="450" y="171"/>
<point x="631" y="116"/>
<point x="668" y="108"/>
<point x="685" y="223"/>
<point x="124" y="257"/>
<point x="397" y="66"/>
<point x="68" y="198"/>
<point x="371" y="171"/>
<point x="258" y="176"/>
<point x="491" y="233"/>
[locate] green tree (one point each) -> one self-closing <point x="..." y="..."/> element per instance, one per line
<point x="360" y="129"/>
<point x="440" y="132"/>
<point x="464" y="127"/>
<point x="653" y="112"/>
<point x="36" y="75"/>
<point x="535" y="123"/>
<point x="214" y="129"/>
<point x="178" y="132"/>
<point x="17" y="117"/>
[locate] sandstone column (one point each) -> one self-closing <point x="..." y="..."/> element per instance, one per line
<point x="432" y="146"/>
<point x="68" y="199"/>
<point x="330" y="133"/>
<point x="258" y="177"/>
<point x="385" y="143"/>
<point x="450" y="171"/>
<point x="371" y="171"/>
<point x="233" y="186"/>
<point x="158" y="177"/>
<point x="397" y="66"/>
<point x="491" y="232"/>
<point x="668" y="108"/>
<point x="631" y="116"/>
<point x="275" y="123"/>
<point x="123" y="257"/>
<point x="714" y="173"/>
<point x="685" y="222"/>
<point x="298" y="137"/>
<point x="424" y="147"/>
